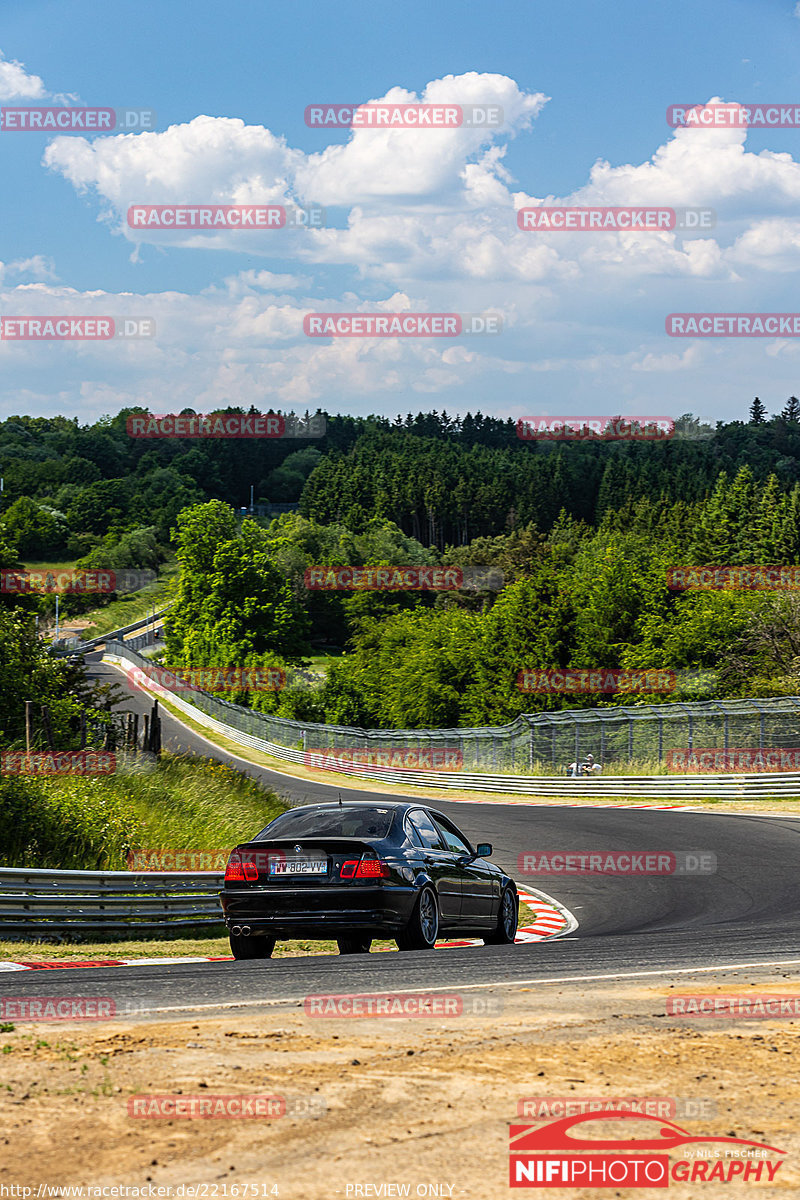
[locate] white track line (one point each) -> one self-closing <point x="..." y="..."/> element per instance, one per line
<point x="508" y="983"/>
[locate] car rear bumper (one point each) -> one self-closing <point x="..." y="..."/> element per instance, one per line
<point x="319" y="912"/>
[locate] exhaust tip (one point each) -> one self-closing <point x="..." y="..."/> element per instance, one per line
<point x="236" y="930"/>
<point x="245" y="931"/>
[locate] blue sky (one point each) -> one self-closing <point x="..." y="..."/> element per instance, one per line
<point x="417" y="220"/>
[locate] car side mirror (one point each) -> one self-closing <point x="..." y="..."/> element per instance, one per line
<point x="484" y="850"/>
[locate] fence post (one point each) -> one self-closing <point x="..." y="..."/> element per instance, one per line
<point x="155" y="731"/>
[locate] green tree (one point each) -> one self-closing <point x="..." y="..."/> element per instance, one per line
<point x="36" y="530"/>
<point x="232" y="601"/>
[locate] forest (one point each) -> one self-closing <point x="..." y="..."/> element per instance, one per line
<point x="582" y="533"/>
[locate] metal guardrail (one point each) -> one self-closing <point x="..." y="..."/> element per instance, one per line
<point x="75" y="646"/>
<point x="55" y="903"/>
<point x="145" y="639"/>
<point x="678" y="789"/>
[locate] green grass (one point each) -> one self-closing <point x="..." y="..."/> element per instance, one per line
<point x="64" y="564"/>
<point x="196" y="803"/>
<point x="134" y="606"/>
<point x="91" y="823"/>
<point x="169" y="946"/>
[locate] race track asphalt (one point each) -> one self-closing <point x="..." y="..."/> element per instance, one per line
<point x="744" y="914"/>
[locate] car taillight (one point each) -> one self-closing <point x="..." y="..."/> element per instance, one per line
<point x="238" y="871"/>
<point x="234" y="872"/>
<point x="367" y="868"/>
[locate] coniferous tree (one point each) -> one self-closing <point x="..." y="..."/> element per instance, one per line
<point x="791" y="410"/>
<point x="758" y="412"/>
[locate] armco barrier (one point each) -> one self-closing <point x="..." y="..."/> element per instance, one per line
<point x="145" y="639"/>
<point x="54" y="903"/>
<point x="676" y="789"/>
<point x="74" y="646"/>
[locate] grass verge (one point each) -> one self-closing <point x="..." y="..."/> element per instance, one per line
<point x="92" y="823"/>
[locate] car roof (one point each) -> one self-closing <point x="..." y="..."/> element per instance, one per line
<point x="396" y="805"/>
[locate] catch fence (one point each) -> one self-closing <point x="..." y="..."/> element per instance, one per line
<point x="537" y="743"/>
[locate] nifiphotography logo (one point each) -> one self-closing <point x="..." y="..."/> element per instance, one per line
<point x="554" y="1156"/>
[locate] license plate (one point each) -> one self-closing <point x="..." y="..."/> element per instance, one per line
<point x="295" y="866"/>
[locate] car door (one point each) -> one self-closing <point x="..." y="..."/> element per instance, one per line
<point x="479" y="883"/>
<point x="441" y="863"/>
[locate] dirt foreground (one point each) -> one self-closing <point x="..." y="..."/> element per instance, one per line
<point x="376" y="1106"/>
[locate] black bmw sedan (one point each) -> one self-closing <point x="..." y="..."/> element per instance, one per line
<point x="358" y="871"/>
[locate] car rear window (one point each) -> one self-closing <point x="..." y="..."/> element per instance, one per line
<point x="330" y="822"/>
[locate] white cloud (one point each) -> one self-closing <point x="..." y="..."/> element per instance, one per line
<point x="439" y="204"/>
<point x="17" y="84"/>
<point x="247" y="283"/>
<point x="415" y="164"/>
<point x="432" y="227"/>
<point x="38" y="267"/>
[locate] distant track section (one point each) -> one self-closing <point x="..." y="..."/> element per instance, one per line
<point x="675" y="789"/>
